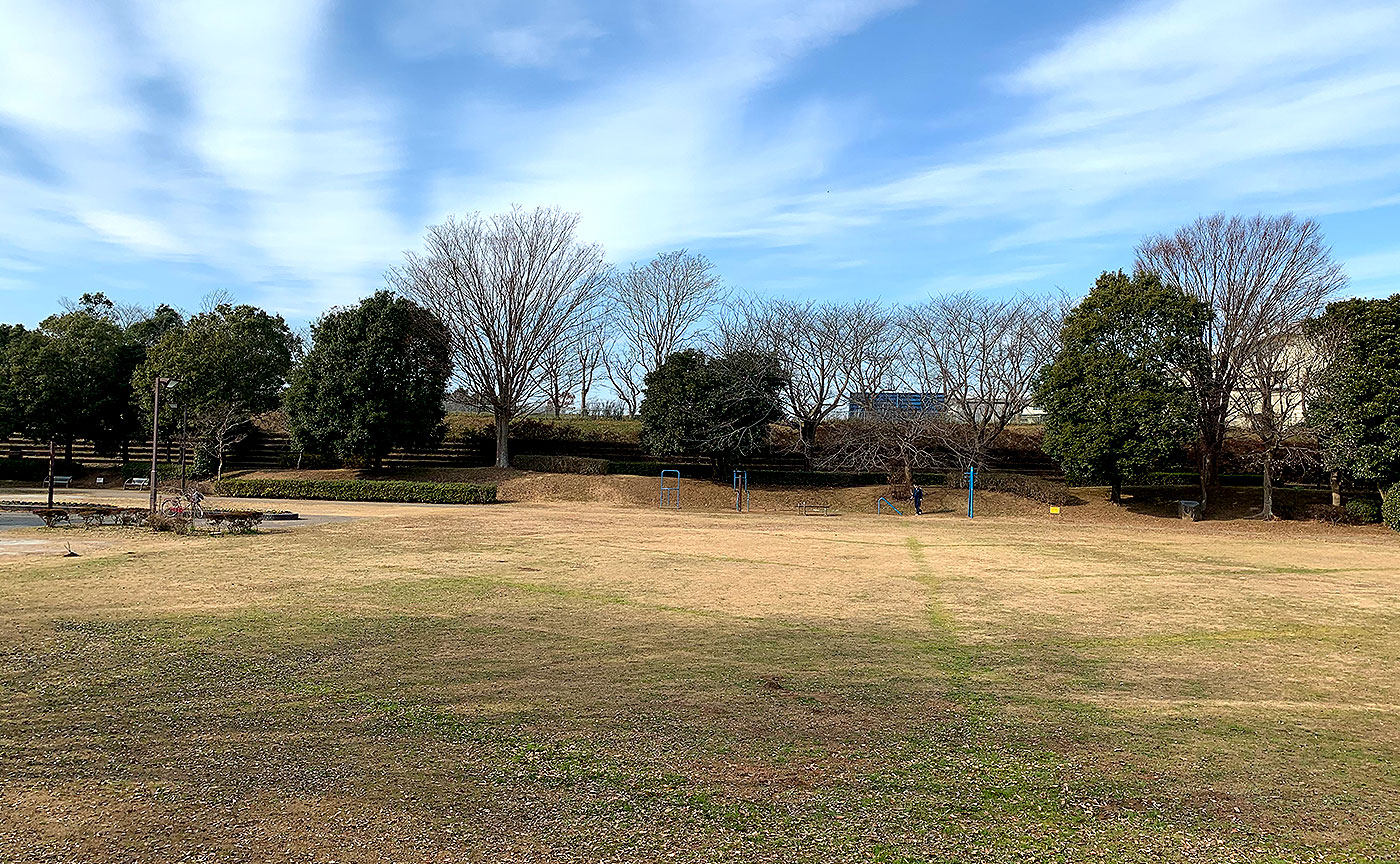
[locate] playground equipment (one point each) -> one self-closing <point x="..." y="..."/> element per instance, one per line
<point x="670" y="491"/>
<point x="741" y="491"/>
<point x="885" y="502"/>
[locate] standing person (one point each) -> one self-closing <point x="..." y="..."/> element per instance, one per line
<point x="918" y="493"/>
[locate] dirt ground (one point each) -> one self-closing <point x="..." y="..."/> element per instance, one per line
<point x="596" y="679"/>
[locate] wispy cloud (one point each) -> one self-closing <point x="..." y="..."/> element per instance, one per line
<point x="665" y="155"/>
<point x="1168" y="109"/>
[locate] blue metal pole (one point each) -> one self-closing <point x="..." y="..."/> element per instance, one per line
<point x="971" y="484"/>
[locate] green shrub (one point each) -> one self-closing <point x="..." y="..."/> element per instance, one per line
<point x="1171" y="478"/>
<point x="1363" y="511"/>
<point x="1390" y="508"/>
<point x="164" y="470"/>
<point x="560" y="464"/>
<point x="358" y="490"/>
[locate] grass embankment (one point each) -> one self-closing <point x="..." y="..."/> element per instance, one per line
<point x="566" y="682"/>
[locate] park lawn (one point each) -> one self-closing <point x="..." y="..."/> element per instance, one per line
<point x="565" y="682"/>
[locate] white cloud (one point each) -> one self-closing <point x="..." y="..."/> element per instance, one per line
<point x="141" y="235"/>
<point x="1170" y="109"/>
<point x="553" y="33"/>
<point x="664" y="155"/>
<point x="1379" y="268"/>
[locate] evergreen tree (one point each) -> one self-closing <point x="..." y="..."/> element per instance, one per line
<point x="719" y="407"/>
<point x="1115" y="398"/>
<point x="1356" y="414"/>
<point x="374" y="380"/>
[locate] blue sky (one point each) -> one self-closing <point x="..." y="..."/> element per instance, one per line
<point x="288" y="152"/>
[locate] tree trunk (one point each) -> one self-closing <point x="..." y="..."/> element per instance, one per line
<point x="1207" y="461"/>
<point x="219" y="472"/>
<point x="902" y="481"/>
<point x="502" y="439"/>
<point x="807" y="431"/>
<point x="1115" y="490"/>
<point x="1268" y="512"/>
<point x="68" y="451"/>
<point x="1335" y="480"/>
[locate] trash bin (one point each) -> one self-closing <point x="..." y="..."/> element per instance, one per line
<point x="1189" y="510"/>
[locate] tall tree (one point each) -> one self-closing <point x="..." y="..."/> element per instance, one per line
<point x="229" y="363"/>
<point x="720" y="407"/>
<point x="1116" y="405"/>
<point x="1277" y="382"/>
<point x="982" y="355"/>
<point x="102" y="357"/>
<point x="46" y="405"/>
<point x="828" y="352"/>
<point x="1356" y="412"/>
<point x="374" y="380"/>
<point x="11" y="336"/>
<point x="654" y="310"/>
<point x="508" y="288"/>
<point x="1263" y="277"/>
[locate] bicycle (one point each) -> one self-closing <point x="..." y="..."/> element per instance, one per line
<point x="186" y="504"/>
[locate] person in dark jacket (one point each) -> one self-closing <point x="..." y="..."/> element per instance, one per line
<point x="918" y="500"/>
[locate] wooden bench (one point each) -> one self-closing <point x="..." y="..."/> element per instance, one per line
<point x="61" y="480"/>
<point x="814" y="509"/>
<point x="137" y="483"/>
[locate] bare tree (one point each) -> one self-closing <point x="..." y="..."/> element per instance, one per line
<point x="829" y="352"/>
<point x="626" y="371"/>
<point x="655" y="309"/>
<point x="982" y="356"/>
<point x="1277" y="381"/>
<point x="891" y="440"/>
<point x="1263" y="276"/>
<point x="558" y="375"/>
<point x="509" y="288"/>
<point x="588" y="356"/>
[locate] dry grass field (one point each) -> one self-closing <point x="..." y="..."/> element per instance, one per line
<point x="595" y="681"/>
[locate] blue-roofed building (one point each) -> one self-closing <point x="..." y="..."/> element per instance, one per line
<point x="895" y="403"/>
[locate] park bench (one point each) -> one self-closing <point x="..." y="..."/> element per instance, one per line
<point x="807" y="509"/>
<point x="137" y="483"/>
<point x="63" y="480"/>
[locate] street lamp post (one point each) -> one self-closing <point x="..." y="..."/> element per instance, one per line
<point x="155" y="435"/>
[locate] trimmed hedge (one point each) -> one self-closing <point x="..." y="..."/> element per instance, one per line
<point x="1192" y="478"/>
<point x="406" y="491"/>
<point x="560" y="464"/>
<point x="819" y="479"/>
<point x="652" y="469"/>
<point x="1390" y="508"/>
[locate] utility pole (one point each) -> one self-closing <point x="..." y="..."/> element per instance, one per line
<point x="53" y="452"/>
<point x="155" y="437"/>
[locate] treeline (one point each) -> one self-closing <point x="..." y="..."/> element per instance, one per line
<point x="1222" y="324"/>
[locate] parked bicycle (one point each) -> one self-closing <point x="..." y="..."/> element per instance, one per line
<point x="187" y="504"/>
